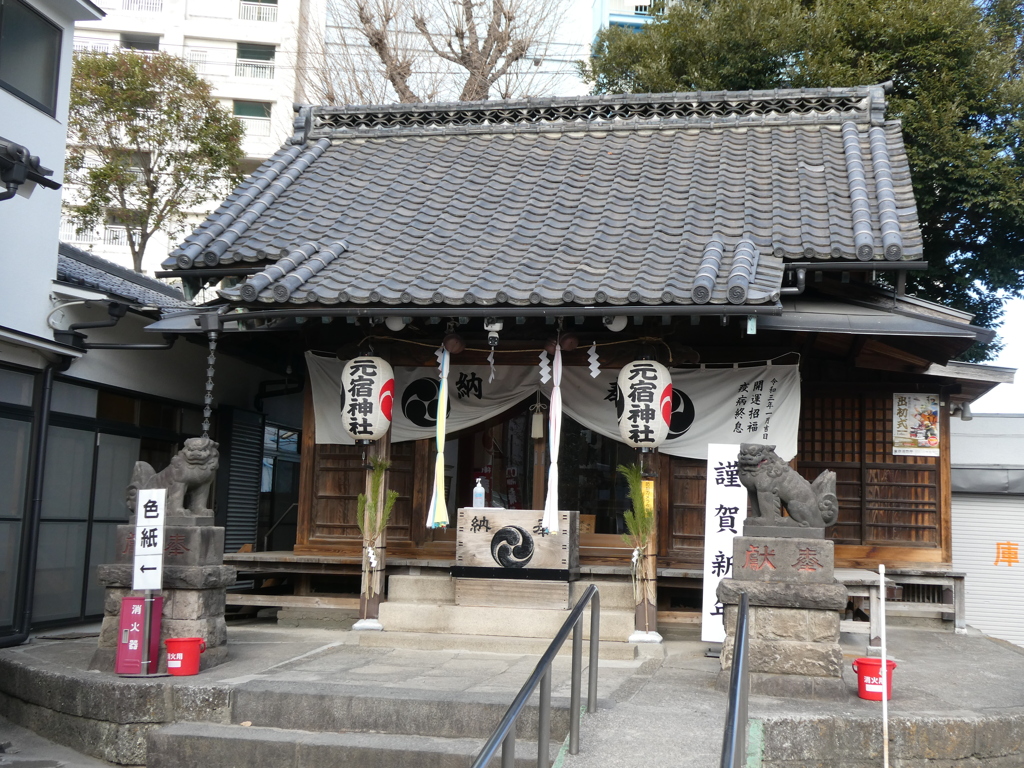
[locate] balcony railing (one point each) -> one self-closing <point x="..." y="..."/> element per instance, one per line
<point x="255" y="11"/>
<point x="69" y="233"/>
<point x="149" y="6"/>
<point x="255" y="127"/>
<point x="97" y="46"/>
<point x="260" y="70"/>
<point x="116" y="235"/>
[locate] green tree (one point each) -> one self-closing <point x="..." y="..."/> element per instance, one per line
<point x="147" y="144"/>
<point x="956" y="69"/>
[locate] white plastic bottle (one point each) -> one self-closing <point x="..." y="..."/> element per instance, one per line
<point x="479" y="495"/>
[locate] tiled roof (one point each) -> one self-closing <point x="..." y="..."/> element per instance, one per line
<point x="77" y="267"/>
<point x="668" y="199"/>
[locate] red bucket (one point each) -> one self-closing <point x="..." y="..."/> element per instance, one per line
<point x="183" y="655"/>
<point x="869" y="678"/>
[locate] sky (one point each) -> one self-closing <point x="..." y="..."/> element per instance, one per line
<point x="1008" y="398"/>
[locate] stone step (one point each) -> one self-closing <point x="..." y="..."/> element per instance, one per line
<point x="616" y="625"/>
<point x="616" y="594"/>
<point x="436" y="589"/>
<point x="208" y="745"/>
<point x="338" y="707"/>
<point x="520" y="646"/>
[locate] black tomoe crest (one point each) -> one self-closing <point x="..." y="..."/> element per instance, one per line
<point x="512" y="547"/>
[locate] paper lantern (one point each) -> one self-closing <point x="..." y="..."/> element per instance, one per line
<point x="367" y="394"/>
<point x="644" y="403"/>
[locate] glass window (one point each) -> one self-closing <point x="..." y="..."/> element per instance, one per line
<point x="60" y="571"/>
<point x="191" y="421"/>
<point x="117" y="407"/>
<point x="67" y="398"/>
<point x="153" y="413"/>
<point x="288" y="441"/>
<point x="68" y="479"/>
<point x="256" y="52"/>
<point x="252" y="108"/>
<point x="10" y="543"/>
<point x="15" y="387"/>
<point x="136" y="42"/>
<point x="115" y="460"/>
<point x="103" y="550"/>
<point x="14" y="446"/>
<point x="29" y="55"/>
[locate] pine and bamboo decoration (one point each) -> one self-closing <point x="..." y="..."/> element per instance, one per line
<point x="640" y="521"/>
<point x="373" y="515"/>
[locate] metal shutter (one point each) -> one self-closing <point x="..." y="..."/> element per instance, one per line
<point x="238" y="479"/>
<point x="993" y="591"/>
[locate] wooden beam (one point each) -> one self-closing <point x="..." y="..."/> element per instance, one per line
<point x="307" y="469"/>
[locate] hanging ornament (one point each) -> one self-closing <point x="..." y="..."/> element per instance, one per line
<point x="438" y="509"/>
<point x="537" y="421"/>
<point x="595" y="361"/>
<point x="644" y="403"/>
<point x="550" y="519"/>
<point x="367" y="394"/>
<point x="490" y="359"/>
<point x="545" y="368"/>
<point x="211" y="361"/>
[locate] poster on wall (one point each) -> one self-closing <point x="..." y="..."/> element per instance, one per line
<point x="915" y="424"/>
<point x="724" y="512"/>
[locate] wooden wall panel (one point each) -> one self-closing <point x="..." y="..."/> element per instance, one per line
<point x="884" y="500"/>
<point x="685" y="530"/>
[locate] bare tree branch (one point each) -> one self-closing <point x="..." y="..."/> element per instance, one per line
<point x="375" y="51"/>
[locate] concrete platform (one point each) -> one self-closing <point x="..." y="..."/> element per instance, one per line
<point x="307" y="697"/>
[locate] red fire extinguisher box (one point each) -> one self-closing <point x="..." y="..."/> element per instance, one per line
<point x="130" y="635"/>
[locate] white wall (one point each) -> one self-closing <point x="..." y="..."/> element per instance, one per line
<point x="28" y="247"/>
<point x="178" y="373"/>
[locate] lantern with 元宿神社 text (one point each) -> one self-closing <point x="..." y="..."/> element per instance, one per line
<point x="367" y="394"/>
<point x="644" y="403"/>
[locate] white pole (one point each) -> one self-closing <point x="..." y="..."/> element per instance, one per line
<point x="885" y="669"/>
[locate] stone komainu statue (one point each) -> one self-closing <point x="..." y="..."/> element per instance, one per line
<point x="772" y="484"/>
<point x="188" y="479"/>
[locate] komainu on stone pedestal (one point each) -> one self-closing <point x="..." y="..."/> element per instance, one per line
<point x="188" y="480"/>
<point x="194" y="574"/>
<point x="773" y="485"/>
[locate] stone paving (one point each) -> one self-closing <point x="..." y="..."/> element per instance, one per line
<point x="663" y="710"/>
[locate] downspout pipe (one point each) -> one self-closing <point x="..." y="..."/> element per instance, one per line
<point x="30" y="535"/>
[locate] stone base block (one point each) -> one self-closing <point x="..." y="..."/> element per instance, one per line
<point x="791" y="686"/>
<point x="183" y="545"/>
<point x="317" y="618"/>
<point x="788" y="623"/>
<point x="822" y="597"/>
<point x="787" y="657"/>
<point x="175" y="576"/>
<point x="753" y="530"/>
<point x="785" y="560"/>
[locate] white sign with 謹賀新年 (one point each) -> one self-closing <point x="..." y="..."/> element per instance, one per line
<point x="725" y="511"/>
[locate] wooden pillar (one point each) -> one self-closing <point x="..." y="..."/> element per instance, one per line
<point x="646" y="615"/>
<point x="373" y="570"/>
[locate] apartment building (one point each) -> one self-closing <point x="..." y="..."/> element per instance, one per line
<point x="248" y="50"/>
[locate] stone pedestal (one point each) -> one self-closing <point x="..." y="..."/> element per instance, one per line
<point x="795" y="606"/>
<point x="194" y="582"/>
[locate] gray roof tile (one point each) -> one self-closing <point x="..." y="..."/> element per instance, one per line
<point x="78" y="267"/>
<point x="590" y="199"/>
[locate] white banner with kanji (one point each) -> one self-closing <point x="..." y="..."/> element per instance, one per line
<point x="724" y="512"/>
<point x="750" y="404"/>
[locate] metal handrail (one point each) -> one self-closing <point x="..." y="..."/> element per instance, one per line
<point x="734" y="744"/>
<point x="505" y="733"/>
<point x="266" y="537"/>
